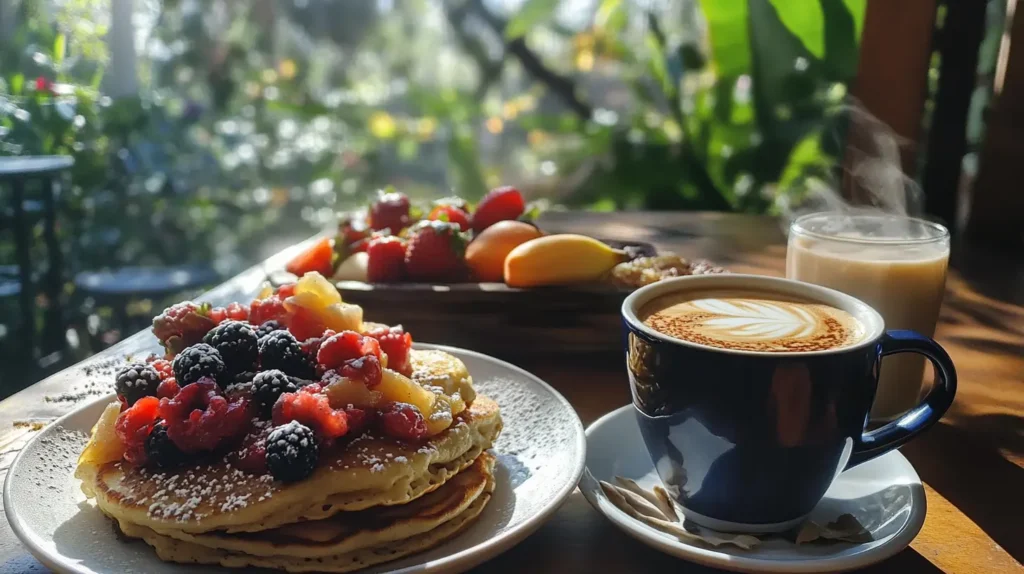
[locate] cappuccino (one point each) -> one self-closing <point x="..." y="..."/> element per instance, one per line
<point x="752" y="321"/>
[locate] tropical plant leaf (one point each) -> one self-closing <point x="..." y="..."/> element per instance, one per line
<point x="727" y="28"/>
<point x="59" y="48"/>
<point x="531" y="14"/>
<point x="804" y="20"/>
<point x="842" y="40"/>
<point x="611" y="16"/>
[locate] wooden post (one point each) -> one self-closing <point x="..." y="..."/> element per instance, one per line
<point x="892" y="79"/>
<point x="997" y="209"/>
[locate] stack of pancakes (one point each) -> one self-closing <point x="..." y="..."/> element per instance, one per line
<point x="371" y="499"/>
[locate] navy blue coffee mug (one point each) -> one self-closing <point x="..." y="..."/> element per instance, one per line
<point x="750" y="441"/>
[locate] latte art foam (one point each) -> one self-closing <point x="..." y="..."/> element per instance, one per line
<point x="753" y="322"/>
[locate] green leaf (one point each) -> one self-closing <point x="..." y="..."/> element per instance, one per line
<point x="857" y="9"/>
<point x="656" y="63"/>
<point x="727" y="29"/>
<point x="806" y="21"/>
<point x="807" y="156"/>
<point x="59" y="46"/>
<point x="17" y="84"/>
<point x="533" y="13"/>
<point x="842" y="40"/>
<point x="611" y="17"/>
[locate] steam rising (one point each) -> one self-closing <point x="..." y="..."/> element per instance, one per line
<point x="872" y="179"/>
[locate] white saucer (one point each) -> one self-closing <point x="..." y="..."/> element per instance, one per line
<point x="541" y="453"/>
<point x="884" y="494"/>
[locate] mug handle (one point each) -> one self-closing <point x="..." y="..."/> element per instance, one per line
<point x="893" y="434"/>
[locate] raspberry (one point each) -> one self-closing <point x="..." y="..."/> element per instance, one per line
<point x="135" y="381"/>
<point x="200" y="419"/>
<point x="292" y="452"/>
<point x="267" y="328"/>
<point x="311" y="346"/>
<point x="267" y="386"/>
<point x="396" y="343"/>
<point x="390" y="211"/>
<point x="168" y="388"/>
<point x="269" y="309"/>
<point x="359" y="419"/>
<point x="238" y="312"/>
<point x="312" y="410"/>
<point x="385" y="260"/>
<point x="196" y="362"/>
<point x="237" y="344"/>
<point x="403" y="421"/>
<point x="133" y="427"/>
<point x="163" y="366"/>
<point x="218" y="315"/>
<point x="345" y="346"/>
<point x="252" y="455"/>
<point x="161" y="451"/>
<point x="366" y="369"/>
<point x="279" y="350"/>
<point x="181" y="325"/>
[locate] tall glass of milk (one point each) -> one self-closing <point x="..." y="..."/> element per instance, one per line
<point x="894" y="263"/>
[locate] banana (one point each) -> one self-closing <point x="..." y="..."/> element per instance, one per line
<point x="559" y="260"/>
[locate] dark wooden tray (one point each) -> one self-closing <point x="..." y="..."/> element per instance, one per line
<point x="499" y="320"/>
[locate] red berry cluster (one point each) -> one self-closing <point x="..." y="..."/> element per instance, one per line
<point x="232" y="412"/>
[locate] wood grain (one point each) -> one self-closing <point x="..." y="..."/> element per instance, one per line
<point x="972" y="462"/>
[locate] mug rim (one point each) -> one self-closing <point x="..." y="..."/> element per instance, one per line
<point x="871" y="318"/>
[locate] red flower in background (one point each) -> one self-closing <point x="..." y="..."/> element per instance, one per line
<point x="44" y="85"/>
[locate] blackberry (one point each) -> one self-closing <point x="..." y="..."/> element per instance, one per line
<point x="237" y="344"/>
<point x="161" y="451"/>
<point x="279" y="350"/>
<point x="196" y="362"/>
<point x="244" y="377"/>
<point x="292" y="452"/>
<point x="136" y="380"/>
<point x="269" y="385"/>
<point x="267" y="328"/>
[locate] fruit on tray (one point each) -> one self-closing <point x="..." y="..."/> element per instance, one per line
<point x="436" y="252"/>
<point x="560" y="260"/>
<point x="319" y="257"/>
<point x="486" y="254"/>
<point x="499" y="204"/>
<point x="448" y="241"/>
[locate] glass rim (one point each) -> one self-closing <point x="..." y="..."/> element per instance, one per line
<point x="941" y="233"/>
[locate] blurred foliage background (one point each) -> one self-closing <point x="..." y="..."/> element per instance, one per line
<point x="217" y="132"/>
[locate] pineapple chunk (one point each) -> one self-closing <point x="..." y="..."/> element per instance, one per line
<point x="104" y="446"/>
<point x="343" y="317"/>
<point x="305" y="300"/>
<point x="344" y="391"/>
<point x="395" y="387"/>
<point x="440" y="418"/>
<point x="317" y="285"/>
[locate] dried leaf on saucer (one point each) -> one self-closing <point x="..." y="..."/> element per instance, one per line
<point x="845" y="528"/>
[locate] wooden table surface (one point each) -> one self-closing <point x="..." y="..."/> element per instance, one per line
<point x="972" y="462"/>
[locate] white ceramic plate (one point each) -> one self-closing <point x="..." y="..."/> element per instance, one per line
<point x="541" y="453"/>
<point x="884" y="494"/>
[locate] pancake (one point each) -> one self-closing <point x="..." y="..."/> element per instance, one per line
<point x="215" y="496"/>
<point x="434" y="368"/>
<point x="185" y="552"/>
<point x="347" y="532"/>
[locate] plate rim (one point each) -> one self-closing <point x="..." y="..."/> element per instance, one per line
<point x="714" y="558"/>
<point x="456" y="562"/>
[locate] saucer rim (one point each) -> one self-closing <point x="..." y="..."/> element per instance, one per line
<point x="590" y="489"/>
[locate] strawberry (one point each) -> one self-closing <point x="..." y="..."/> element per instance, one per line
<point x="181" y="325"/>
<point x="350" y="231"/>
<point x="390" y="211"/>
<point x="318" y="257"/>
<point x="499" y="204"/>
<point x="436" y="252"/>
<point x="386" y="260"/>
<point x="453" y="201"/>
<point x="450" y="214"/>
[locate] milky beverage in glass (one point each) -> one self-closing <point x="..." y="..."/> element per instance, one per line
<point x="895" y="264"/>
